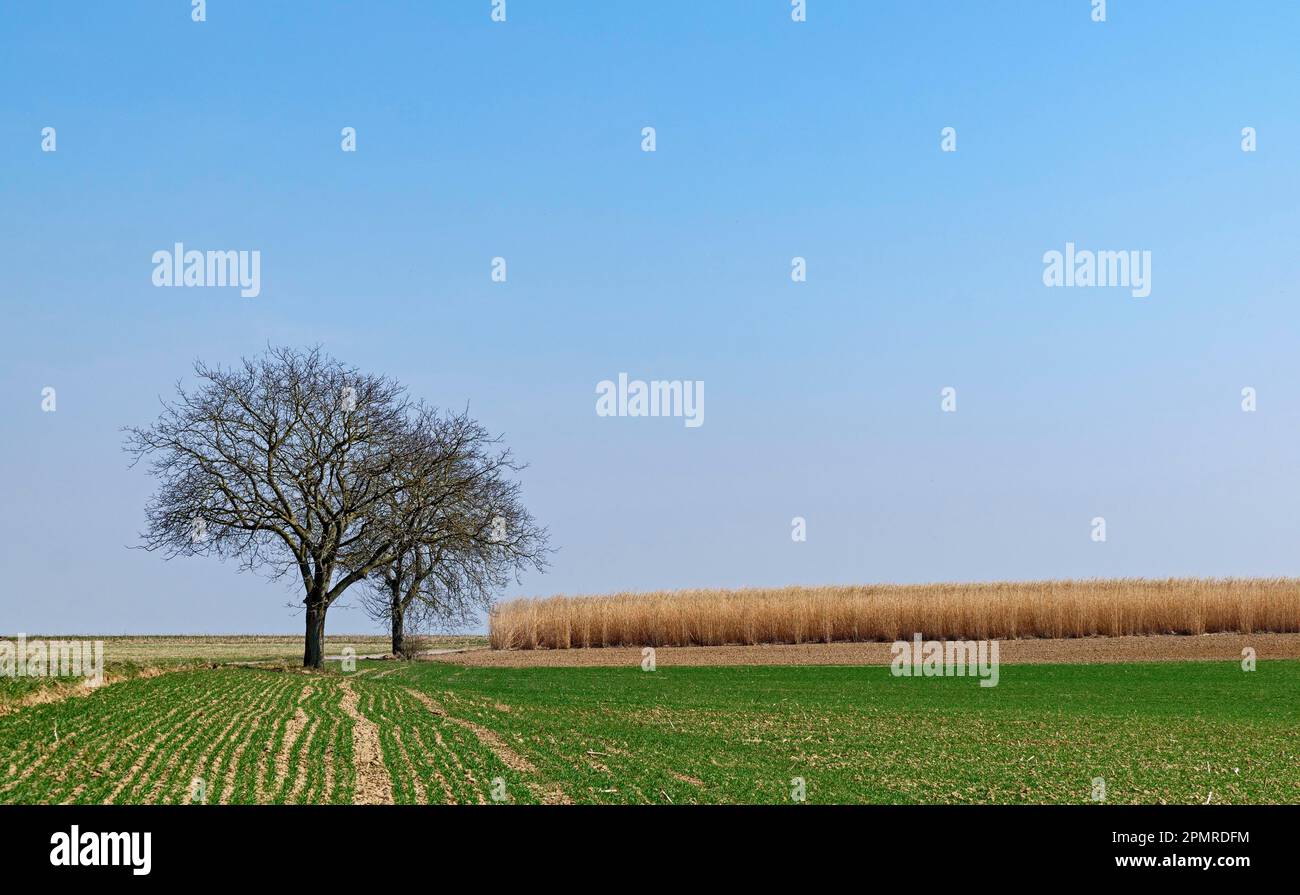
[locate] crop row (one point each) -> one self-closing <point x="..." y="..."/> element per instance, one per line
<point x="202" y="736"/>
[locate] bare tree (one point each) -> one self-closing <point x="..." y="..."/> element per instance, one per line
<point x="459" y="534"/>
<point x="289" y="463"/>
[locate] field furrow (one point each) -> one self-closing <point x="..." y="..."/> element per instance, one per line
<point x="288" y="772"/>
<point x="374" y="782"/>
<point x="175" y="782"/>
<point x="174" y="737"/>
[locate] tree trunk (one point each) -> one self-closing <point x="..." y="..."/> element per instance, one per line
<point x="313" y="655"/>
<point x="399" y="623"/>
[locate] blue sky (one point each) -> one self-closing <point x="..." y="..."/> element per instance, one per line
<point x="775" y="139"/>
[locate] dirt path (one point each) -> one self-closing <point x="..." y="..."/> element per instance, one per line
<point x="1081" y="650"/>
<point x="374" y="784"/>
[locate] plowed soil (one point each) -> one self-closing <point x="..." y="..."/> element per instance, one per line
<point x="1082" y="650"/>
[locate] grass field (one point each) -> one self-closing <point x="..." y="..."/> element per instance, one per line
<point x="433" y="732"/>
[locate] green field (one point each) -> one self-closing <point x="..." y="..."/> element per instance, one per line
<point x="1156" y="732"/>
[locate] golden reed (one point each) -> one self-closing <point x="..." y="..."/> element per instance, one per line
<point x="1004" y="610"/>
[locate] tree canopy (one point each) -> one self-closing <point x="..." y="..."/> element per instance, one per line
<point x="298" y="465"/>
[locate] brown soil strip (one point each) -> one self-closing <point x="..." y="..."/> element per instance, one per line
<point x="1080" y="650"/>
<point x="374" y="785"/>
<point x="292" y="732"/>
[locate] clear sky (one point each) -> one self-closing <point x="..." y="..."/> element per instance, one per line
<point x="775" y="139"/>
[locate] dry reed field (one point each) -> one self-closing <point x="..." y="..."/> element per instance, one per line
<point x="1001" y="610"/>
